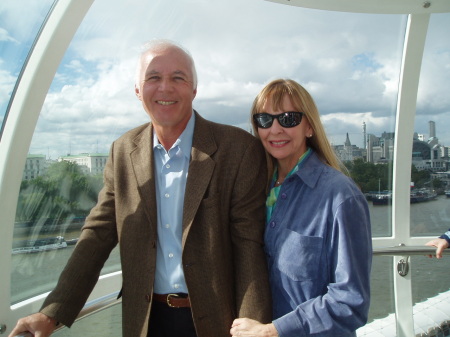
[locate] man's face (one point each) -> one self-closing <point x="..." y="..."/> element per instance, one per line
<point x="166" y="88"/>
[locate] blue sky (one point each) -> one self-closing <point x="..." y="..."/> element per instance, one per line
<point x="350" y="63"/>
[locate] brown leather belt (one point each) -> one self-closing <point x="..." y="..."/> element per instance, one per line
<point x="173" y="300"/>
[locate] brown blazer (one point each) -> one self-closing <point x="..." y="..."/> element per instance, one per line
<point x="223" y="223"/>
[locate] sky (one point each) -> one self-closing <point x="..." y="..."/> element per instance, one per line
<point x="350" y="63"/>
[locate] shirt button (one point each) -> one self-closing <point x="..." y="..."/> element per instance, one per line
<point x="283" y="196"/>
<point x="273" y="224"/>
<point x="291" y="179"/>
<point x="167" y="225"/>
<point x="168" y="166"/>
<point x="176" y="286"/>
<point x="170" y="255"/>
<point x="167" y="195"/>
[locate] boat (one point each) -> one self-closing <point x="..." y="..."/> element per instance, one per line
<point x="41" y="245"/>
<point x="422" y="195"/>
<point x="382" y="198"/>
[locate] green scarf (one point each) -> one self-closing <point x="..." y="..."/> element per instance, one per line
<point x="275" y="190"/>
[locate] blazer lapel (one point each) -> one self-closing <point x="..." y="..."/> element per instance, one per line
<point x="200" y="172"/>
<point x="143" y="167"/>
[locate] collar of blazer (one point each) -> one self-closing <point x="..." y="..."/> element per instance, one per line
<point x="201" y="169"/>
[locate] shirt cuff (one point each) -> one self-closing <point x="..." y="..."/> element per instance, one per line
<point x="446" y="237"/>
<point x="289" y="326"/>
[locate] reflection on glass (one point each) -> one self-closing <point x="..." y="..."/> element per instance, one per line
<point x="430" y="212"/>
<point x="18" y="29"/>
<point x="54" y="200"/>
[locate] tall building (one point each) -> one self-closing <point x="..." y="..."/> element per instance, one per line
<point x="432" y="126"/>
<point x="380" y="149"/>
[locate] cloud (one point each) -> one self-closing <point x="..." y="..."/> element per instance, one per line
<point x="4" y="36"/>
<point x="350" y="63"/>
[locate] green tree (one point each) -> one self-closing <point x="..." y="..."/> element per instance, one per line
<point x="369" y="176"/>
<point x="420" y="177"/>
<point x="63" y="193"/>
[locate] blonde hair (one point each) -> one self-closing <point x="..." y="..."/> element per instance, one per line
<point x="302" y="101"/>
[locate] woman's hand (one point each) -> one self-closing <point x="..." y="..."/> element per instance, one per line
<point x="246" y="327"/>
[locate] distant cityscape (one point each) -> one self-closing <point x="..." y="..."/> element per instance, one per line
<point x="427" y="154"/>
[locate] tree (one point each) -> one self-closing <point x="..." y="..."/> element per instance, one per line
<point x="63" y="193"/>
<point x="369" y="176"/>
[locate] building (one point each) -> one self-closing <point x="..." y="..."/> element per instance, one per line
<point x="348" y="152"/>
<point x="380" y="149"/>
<point x="90" y="163"/>
<point x="427" y="153"/>
<point x="35" y="166"/>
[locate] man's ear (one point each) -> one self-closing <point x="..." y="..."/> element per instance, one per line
<point x="137" y="91"/>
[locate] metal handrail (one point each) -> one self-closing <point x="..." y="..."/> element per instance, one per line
<point x="403" y="250"/>
<point x="89" y="309"/>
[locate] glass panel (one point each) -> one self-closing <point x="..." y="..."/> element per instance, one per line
<point x="375" y="180"/>
<point x="18" y="29"/>
<point x="430" y="172"/>
<point x="105" y="323"/>
<point x="382" y="284"/>
<point x="430" y="290"/>
<point x="349" y="62"/>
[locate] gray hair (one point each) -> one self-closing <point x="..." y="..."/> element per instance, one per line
<point x="159" y="44"/>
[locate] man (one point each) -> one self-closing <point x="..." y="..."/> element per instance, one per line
<point x="184" y="198"/>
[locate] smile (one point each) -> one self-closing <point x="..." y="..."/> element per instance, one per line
<point x="279" y="142"/>
<point x="166" y="102"/>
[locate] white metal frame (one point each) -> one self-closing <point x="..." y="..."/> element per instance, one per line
<point x="42" y="66"/>
<point x="24" y="111"/>
<point x="373" y="6"/>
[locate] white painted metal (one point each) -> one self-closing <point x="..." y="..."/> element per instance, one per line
<point x="24" y="112"/>
<point x="414" y="45"/>
<point x="375" y="7"/>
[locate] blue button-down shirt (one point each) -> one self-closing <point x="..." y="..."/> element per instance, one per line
<point x="171" y="170"/>
<point x="318" y="245"/>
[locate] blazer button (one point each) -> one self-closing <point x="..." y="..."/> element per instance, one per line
<point x="148" y="298"/>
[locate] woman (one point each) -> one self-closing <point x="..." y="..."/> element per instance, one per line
<point x="318" y="238"/>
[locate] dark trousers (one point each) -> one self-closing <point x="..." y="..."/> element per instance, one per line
<point x="170" y="322"/>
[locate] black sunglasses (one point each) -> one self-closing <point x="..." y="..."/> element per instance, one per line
<point x="287" y="119"/>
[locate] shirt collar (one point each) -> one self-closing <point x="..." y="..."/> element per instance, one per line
<point x="184" y="141"/>
<point x="311" y="170"/>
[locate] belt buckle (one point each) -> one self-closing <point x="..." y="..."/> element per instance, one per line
<point x="168" y="300"/>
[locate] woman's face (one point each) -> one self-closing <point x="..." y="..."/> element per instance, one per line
<point x="287" y="145"/>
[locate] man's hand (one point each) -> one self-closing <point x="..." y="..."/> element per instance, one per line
<point x="440" y="245"/>
<point x="38" y="324"/>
